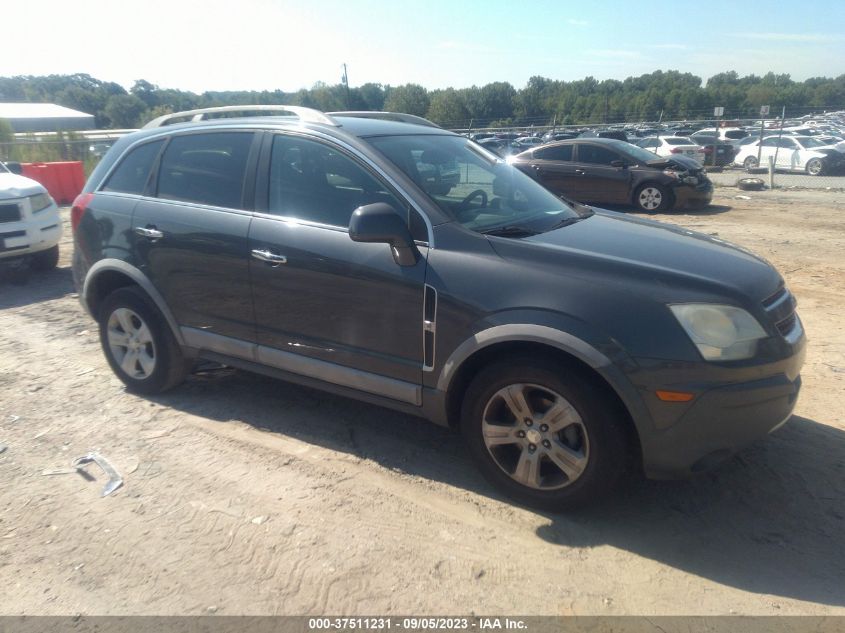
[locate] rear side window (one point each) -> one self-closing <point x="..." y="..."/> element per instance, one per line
<point x="205" y="168"/>
<point x="132" y="173"/>
<point x="596" y="155"/>
<point x="559" y="152"/>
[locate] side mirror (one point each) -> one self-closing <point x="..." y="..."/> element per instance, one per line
<point x="14" y="167"/>
<point x="379" y="222"/>
<point x="618" y="164"/>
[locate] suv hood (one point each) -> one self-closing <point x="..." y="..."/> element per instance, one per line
<point x="622" y="248"/>
<point x="14" y="186"/>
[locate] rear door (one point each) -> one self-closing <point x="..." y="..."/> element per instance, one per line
<point x="326" y="306"/>
<point x="190" y="237"/>
<point x="553" y="167"/>
<point x="601" y="181"/>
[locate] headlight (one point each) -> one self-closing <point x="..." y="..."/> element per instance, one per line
<point x="719" y="332"/>
<point x="40" y="201"/>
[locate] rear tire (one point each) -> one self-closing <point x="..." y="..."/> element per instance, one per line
<point x="138" y="343"/>
<point x="43" y="261"/>
<point x="547" y="437"/>
<point x="750" y="164"/>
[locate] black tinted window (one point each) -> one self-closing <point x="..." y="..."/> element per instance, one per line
<point x="205" y="168"/>
<point x="312" y="181"/>
<point x="133" y="171"/>
<point x="596" y="155"/>
<point x="559" y="152"/>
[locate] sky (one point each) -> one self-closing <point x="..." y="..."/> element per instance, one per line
<point x="288" y="45"/>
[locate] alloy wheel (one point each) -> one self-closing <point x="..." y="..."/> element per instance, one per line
<point x="131" y="343"/>
<point x="535" y="436"/>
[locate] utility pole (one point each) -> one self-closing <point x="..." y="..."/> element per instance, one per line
<point x="346" y="84"/>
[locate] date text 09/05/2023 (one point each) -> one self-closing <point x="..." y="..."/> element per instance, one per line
<point x="411" y="623"/>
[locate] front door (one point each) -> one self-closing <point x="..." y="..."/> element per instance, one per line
<point x="601" y="181"/>
<point x="326" y="306"/>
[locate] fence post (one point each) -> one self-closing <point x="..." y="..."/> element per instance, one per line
<point x="771" y="172"/>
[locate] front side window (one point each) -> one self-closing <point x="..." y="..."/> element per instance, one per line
<point x="596" y="155"/>
<point x="475" y="188"/>
<point x="206" y="168"/>
<point x="133" y="172"/>
<point x="315" y="182"/>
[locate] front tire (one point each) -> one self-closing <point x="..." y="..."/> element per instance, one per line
<point x="138" y="343"/>
<point x="546" y="438"/>
<point x="43" y="261"/>
<point x="815" y="167"/>
<point x="651" y="198"/>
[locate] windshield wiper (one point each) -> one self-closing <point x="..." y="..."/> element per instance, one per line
<point x="510" y="230"/>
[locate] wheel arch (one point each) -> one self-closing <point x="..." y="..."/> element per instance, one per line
<point x="107" y="275"/>
<point x="568" y="351"/>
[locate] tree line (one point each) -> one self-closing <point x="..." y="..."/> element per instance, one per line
<point x="666" y="95"/>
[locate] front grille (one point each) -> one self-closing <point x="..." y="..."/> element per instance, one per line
<point x="10" y="213"/>
<point x="785" y="326"/>
<point x="781" y="310"/>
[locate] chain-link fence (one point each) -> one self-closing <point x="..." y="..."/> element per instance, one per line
<point x="56" y="148"/>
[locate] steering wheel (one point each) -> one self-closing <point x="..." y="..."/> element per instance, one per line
<point x="478" y="193"/>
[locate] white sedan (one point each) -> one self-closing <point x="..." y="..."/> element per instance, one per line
<point x="673" y="145"/>
<point x="793" y="153"/>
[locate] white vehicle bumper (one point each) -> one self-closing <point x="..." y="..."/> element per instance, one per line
<point x="34" y="232"/>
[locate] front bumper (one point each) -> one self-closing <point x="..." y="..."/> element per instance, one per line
<point x="34" y="232"/>
<point x="693" y="196"/>
<point x="732" y="409"/>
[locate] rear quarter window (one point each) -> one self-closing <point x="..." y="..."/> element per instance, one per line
<point x="133" y="171"/>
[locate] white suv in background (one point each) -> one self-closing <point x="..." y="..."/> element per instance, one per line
<point x="30" y="225"/>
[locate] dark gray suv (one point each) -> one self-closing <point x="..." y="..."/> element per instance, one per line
<point x="568" y="344"/>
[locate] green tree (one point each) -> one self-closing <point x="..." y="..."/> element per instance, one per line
<point x="447" y="109"/>
<point x="126" y="111"/>
<point x="410" y="99"/>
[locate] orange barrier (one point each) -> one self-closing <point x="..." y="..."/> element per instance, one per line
<point x="64" y="181"/>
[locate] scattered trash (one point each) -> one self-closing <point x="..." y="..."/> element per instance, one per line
<point x="211" y="609"/>
<point x="115" y="480"/>
<point x="82" y="333"/>
<point x="3" y="448"/>
<point x="61" y="471"/>
<point x="14" y="418"/>
<point x="42" y="434"/>
<point x="743" y="197"/>
<point x="259" y="520"/>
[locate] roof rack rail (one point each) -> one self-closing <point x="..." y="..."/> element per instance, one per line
<point x="307" y="115"/>
<point x="386" y="116"/>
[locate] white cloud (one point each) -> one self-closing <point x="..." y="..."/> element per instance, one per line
<point x="791" y="37"/>
<point x="574" y="22"/>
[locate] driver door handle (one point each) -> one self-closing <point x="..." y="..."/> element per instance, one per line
<point x="271" y="258"/>
<point x="580" y="172"/>
<point x="150" y="232"/>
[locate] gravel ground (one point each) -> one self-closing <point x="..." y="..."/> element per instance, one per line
<point x="245" y="495"/>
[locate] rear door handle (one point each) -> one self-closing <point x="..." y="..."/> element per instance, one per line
<point x="270" y="258"/>
<point x="150" y="232"/>
<point x="580" y="172"/>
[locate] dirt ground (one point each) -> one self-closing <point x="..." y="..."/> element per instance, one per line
<point x="245" y="495"/>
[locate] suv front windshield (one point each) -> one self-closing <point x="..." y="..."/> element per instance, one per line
<point x="473" y="186"/>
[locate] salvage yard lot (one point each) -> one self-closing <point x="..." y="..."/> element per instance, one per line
<point x="245" y="495"/>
